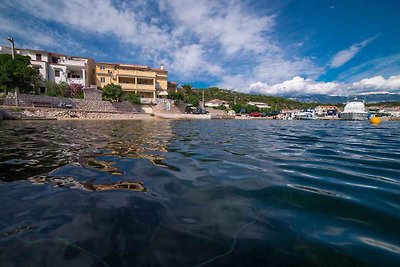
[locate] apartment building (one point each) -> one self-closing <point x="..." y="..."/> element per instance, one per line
<point x="147" y="82"/>
<point x="57" y="67"/>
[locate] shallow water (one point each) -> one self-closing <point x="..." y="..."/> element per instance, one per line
<point x="226" y="192"/>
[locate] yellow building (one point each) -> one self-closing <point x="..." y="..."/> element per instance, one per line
<point x="147" y="82"/>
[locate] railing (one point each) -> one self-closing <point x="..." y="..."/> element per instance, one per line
<point x="72" y="62"/>
<point x="137" y="73"/>
<point x="151" y="87"/>
<point x="155" y="101"/>
<point x="76" y="80"/>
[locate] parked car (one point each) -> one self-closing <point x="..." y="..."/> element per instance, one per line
<point x="200" y="111"/>
<point x="64" y="105"/>
<point x="255" y="114"/>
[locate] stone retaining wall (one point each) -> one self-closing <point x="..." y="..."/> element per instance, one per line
<point x="28" y="100"/>
<point x="80" y="114"/>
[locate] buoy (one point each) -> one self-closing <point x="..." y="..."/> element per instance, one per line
<point x="375" y="120"/>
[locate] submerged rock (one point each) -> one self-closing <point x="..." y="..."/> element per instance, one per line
<point x="123" y="185"/>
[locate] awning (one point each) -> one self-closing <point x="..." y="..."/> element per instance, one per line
<point x="163" y="93"/>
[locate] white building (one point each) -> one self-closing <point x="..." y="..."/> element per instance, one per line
<point x="217" y="103"/>
<point x="326" y="111"/>
<point x="58" y="67"/>
<point x="260" y="105"/>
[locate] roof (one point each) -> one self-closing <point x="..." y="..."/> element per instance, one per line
<point x="217" y="101"/>
<point x="258" y="103"/>
<point x="131" y="65"/>
<point x="328" y="107"/>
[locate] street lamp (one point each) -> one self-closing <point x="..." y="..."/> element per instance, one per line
<point x="12" y="46"/>
<point x="13" y="57"/>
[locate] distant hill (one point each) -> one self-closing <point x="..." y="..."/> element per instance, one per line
<point x="325" y="99"/>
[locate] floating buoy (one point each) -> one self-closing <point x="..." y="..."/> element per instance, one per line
<point x="375" y="120"/>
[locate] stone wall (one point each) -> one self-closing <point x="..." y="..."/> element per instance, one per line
<point x="92" y="94"/>
<point x="29" y="100"/>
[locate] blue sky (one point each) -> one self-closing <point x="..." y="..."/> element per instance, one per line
<point x="268" y="47"/>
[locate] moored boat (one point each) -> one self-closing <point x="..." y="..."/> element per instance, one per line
<point x="354" y="111"/>
<point x="305" y="114"/>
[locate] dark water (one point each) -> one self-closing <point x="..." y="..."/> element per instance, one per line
<point x="217" y="193"/>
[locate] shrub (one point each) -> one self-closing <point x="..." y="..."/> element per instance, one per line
<point x="112" y="92"/>
<point x="132" y="98"/>
<point x="54" y="89"/>
<point x="220" y="108"/>
<point x="75" y="90"/>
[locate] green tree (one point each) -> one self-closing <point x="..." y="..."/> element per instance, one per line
<point x="112" y="92"/>
<point x="251" y="108"/>
<point x="177" y="96"/>
<point x="132" y="98"/>
<point x="187" y="89"/>
<point x="237" y="107"/>
<point x="18" y="73"/>
<point x="192" y="99"/>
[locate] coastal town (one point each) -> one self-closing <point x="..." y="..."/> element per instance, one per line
<point x="109" y="90"/>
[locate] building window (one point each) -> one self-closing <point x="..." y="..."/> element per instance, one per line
<point x="57" y="73"/>
<point x="102" y="67"/>
<point x="39" y="57"/>
<point x="102" y="79"/>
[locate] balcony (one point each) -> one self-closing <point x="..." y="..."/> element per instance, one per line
<point x="72" y="62"/>
<point x="128" y="86"/>
<point x="146" y="87"/>
<point x="135" y="73"/>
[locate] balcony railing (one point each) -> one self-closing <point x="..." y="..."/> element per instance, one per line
<point x="76" y="80"/>
<point x="71" y="62"/>
<point x="135" y="73"/>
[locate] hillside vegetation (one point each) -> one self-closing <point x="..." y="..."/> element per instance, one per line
<point x="193" y="96"/>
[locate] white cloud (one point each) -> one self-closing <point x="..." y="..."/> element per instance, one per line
<point x="299" y="85"/>
<point x="226" y="42"/>
<point x="342" y="57"/>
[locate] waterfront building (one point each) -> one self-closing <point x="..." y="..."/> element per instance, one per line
<point x="288" y="114"/>
<point x="147" y="82"/>
<point x="260" y="105"/>
<point x="326" y="111"/>
<point x="56" y="67"/>
<point x="217" y="103"/>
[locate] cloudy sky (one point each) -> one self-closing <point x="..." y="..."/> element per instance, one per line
<point x="269" y="47"/>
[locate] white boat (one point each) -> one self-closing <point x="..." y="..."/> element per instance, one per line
<point x="354" y="111"/>
<point x="305" y="114"/>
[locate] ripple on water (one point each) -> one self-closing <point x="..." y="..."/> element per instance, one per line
<point x="200" y="192"/>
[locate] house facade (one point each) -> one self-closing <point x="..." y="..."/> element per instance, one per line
<point x="57" y="67"/>
<point x="147" y="82"/>
<point x="326" y="111"/>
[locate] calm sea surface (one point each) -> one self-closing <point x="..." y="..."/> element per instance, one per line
<point x="216" y="193"/>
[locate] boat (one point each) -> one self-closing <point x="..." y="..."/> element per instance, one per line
<point x="305" y="114"/>
<point x="354" y="111"/>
